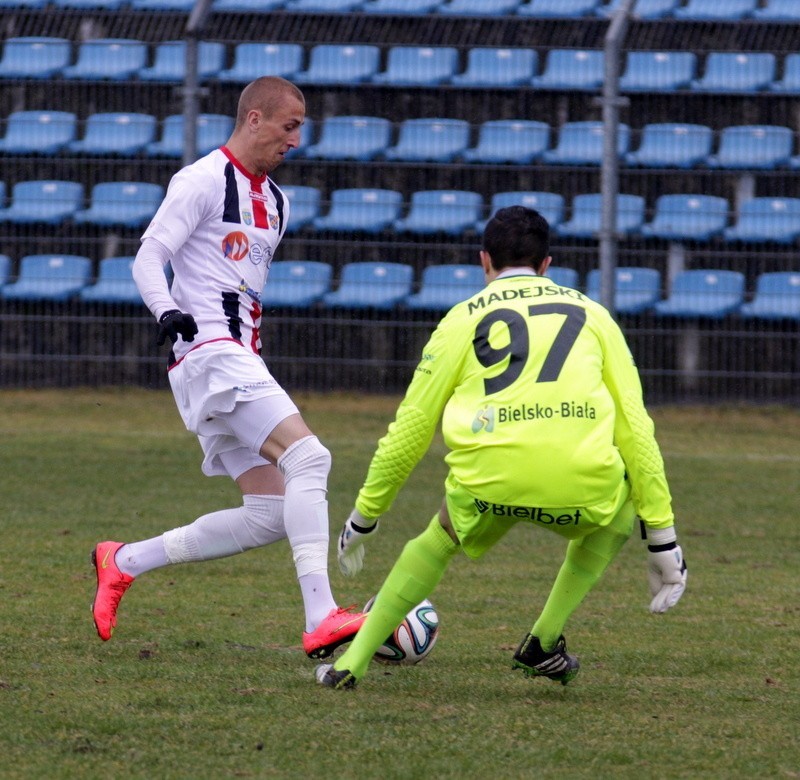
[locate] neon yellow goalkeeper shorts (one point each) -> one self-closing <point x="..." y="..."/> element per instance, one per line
<point x="480" y="524"/>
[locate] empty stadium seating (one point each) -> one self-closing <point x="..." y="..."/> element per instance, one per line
<point x="571" y="69"/>
<point x="114" y="283"/>
<point x="116" y="133"/>
<point x="497" y="67"/>
<point x="715" y="11"/>
<point x="549" y="204"/>
<point x="296" y="283"/>
<point x="509" y="141"/>
<point x="49" y="278"/>
<point x="687" y="218"/>
<point x="169" y="61"/>
<point x="34" y="57"/>
<point x="108" y="58"/>
<point x="304" y="204"/>
<point x="658" y="71"/>
<point x="443" y="286"/>
<point x="371" y="285"/>
<point x="38" y="132"/>
<point x="727" y="71"/>
<point x="581" y="143"/>
<point x="441" y="211"/>
<point x="777" y="297"/>
<point x="544" y="9"/>
<point x="700" y="293"/>
<point x="435" y="140"/>
<point x="361" y="210"/>
<point x="124" y="203"/>
<point x="46" y="201"/>
<point x="418" y="66"/>
<point x="586" y="218"/>
<point x="753" y="146"/>
<point x="672" y="145"/>
<point x="767" y="219"/>
<point x="331" y="63"/>
<point x="563" y="276"/>
<point x="636" y="290"/>
<point x="252" y="60"/>
<point x="212" y="131"/>
<point x="351" y="138"/>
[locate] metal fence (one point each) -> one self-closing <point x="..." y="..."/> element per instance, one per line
<point x="707" y="180"/>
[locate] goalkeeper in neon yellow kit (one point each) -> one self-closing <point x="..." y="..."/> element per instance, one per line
<point x="542" y="413"/>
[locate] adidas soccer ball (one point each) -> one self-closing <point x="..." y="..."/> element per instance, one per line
<point x="413" y="639"/>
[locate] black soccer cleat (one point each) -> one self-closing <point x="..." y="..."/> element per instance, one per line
<point x="332" y="678"/>
<point x="556" y="664"/>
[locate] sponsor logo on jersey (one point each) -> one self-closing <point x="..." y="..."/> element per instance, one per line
<point x="487" y="417"/>
<point x="235" y="246"/>
<point x="260" y="196"/>
<point x="254" y="294"/>
<point x="247" y="218"/>
<point x="260" y="254"/>
<point x="536" y="514"/>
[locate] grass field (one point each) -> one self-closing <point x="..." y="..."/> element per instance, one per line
<point x="205" y="677"/>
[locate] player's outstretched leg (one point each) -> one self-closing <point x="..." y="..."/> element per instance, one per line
<point x="556" y="664"/>
<point x="340" y="626"/>
<point x="111" y="586"/>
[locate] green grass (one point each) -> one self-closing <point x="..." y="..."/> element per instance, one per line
<point x="205" y="677"/>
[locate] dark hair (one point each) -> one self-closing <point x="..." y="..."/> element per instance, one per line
<point x="517" y="236"/>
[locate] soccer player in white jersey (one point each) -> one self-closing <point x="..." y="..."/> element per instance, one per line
<point x="542" y="411"/>
<point x="219" y="226"/>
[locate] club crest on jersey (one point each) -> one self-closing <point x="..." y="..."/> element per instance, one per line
<point x="247" y="218"/>
<point x="273" y="221"/>
<point x="235" y="246"/>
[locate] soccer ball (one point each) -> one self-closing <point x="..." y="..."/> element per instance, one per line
<point x="413" y="639"/>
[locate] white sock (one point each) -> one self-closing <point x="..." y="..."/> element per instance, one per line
<point x="138" y="557"/>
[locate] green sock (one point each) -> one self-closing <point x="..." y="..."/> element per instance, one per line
<point x="413" y="578"/>
<point x="584" y="564"/>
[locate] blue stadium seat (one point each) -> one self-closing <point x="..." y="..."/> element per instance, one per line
<point x="479" y="7"/>
<point x="658" y="71"/>
<point x="441" y="211"/>
<point x="246" y="6"/>
<point x="38" y="132"/>
<point x="5" y="270"/>
<point x="169" y="61"/>
<point x="361" y="210"/>
<point x="116" y="133"/>
<point x="710" y="294"/>
<point x="563" y="276"/>
<point x="371" y="286"/>
<point x="587" y="210"/>
<point x="549" y="204"/>
<point x="687" y="218"/>
<point x="116" y="59"/>
<point x="49" y="277"/>
<point x="727" y="71"/>
<point x="418" y="66"/>
<point x="581" y="143"/>
<point x="636" y="290"/>
<point x="24" y="4"/>
<point x="331" y="63"/>
<point x="34" y="57"/>
<point x="509" y="141"/>
<point x="47" y="201"/>
<point x="643" y="9"/>
<point x="761" y="147"/>
<point x="672" y="145"/>
<point x="162" y="5"/>
<point x="434" y="140"/>
<point x="351" y="138"/>
<point x="404" y="7"/>
<point x="715" y="10"/>
<point x="777" y="297"/>
<point x="497" y="68"/>
<point x="767" y="219"/>
<point x="296" y="284"/>
<point x="790" y="80"/>
<point x="443" y="286"/>
<point x="252" y="60"/>
<point x="88" y="5"/>
<point x="559" y="9"/>
<point x="114" y="283"/>
<point x="323" y="6"/>
<point x="572" y="69"/>
<point x="213" y="130"/>
<point x="304" y="205"/>
<point x="778" y="11"/>
<point x="125" y="203"/>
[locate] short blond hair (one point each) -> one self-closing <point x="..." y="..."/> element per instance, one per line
<point x="265" y="94"/>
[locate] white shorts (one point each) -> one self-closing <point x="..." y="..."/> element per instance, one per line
<point x="226" y="395"/>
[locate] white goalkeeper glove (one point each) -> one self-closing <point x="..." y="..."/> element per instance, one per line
<point x="350" y="550"/>
<point x="666" y="569"/>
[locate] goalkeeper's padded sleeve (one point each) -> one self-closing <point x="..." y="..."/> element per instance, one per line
<point x="148" y="273"/>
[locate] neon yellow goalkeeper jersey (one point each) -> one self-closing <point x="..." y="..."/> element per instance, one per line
<point x="540" y="402"/>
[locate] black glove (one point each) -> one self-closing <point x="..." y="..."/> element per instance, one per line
<point x="174" y="323"/>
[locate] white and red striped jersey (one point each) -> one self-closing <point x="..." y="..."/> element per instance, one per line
<point x="222" y="226"/>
